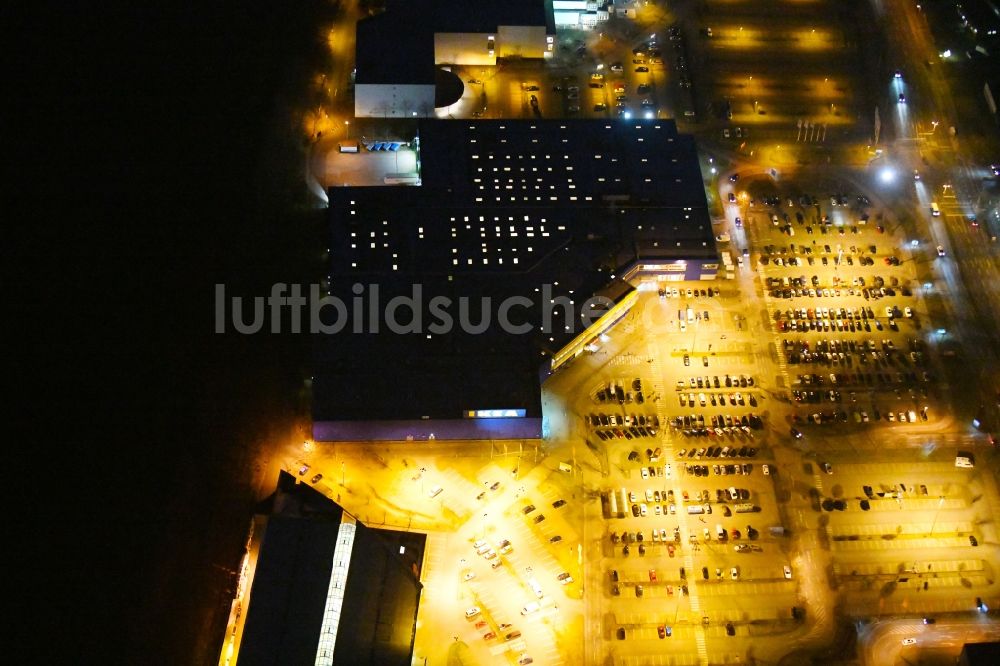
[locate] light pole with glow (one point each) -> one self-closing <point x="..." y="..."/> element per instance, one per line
<point x="936" y="514"/>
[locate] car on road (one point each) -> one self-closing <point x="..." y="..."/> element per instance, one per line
<point x="528" y="509"/>
<point x="767" y="469"/>
<point x="788" y="572"/>
<point x="473" y="612"/>
<point x="734" y="573"/>
<point x="558" y="503"/>
<point x="316" y="479"/>
<point x="826" y="467"/>
<point x="796" y="433"/>
<point x="469" y="575"/>
<point x="303" y="470"/>
<point x="564" y="578"/>
<point x="909" y="641"/>
<point x="530" y="608"/>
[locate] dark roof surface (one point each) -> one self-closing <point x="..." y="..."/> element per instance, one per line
<point x="388" y="51"/>
<point x="285" y="609"/>
<point x="291" y="581"/>
<point x="505" y="208"/>
<point x="980" y="654"/>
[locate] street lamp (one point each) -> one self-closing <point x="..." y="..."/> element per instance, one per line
<point x="936" y="513"/>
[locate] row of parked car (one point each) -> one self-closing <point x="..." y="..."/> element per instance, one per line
<point x="694" y="425"/>
<point x="861" y="378"/>
<point x="674" y="292"/>
<point x="633" y="432"/>
<point x="735" y="399"/>
<point x="615" y="391"/>
<point x="729" y="381"/>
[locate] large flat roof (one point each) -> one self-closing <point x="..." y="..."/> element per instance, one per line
<point x="505" y="208"/>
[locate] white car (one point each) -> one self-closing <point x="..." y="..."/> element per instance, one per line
<point x="788" y="572"/>
<point x="767" y="469"/>
<point x="940" y="251"/>
<point x="469" y="576"/>
<point x="479" y="544"/>
<point x="734" y="573"/>
<point x="472" y="612"/>
<point x="908" y="312"/>
<point x="643" y="510"/>
<point x="529" y="608"/>
<point x="909" y="641"/>
<point x="649" y="495"/>
<point x="645" y="473"/>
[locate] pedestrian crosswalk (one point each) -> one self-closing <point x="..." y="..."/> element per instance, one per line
<point x="628" y="358"/>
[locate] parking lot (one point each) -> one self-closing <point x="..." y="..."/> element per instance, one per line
<point x="683" y="548"/>
<point x="906" y="533"/>
<point x="778" y="67"/>
<point x="851" y="332"/>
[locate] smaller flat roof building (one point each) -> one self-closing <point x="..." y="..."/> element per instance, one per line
<point x="324" y="589"/>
